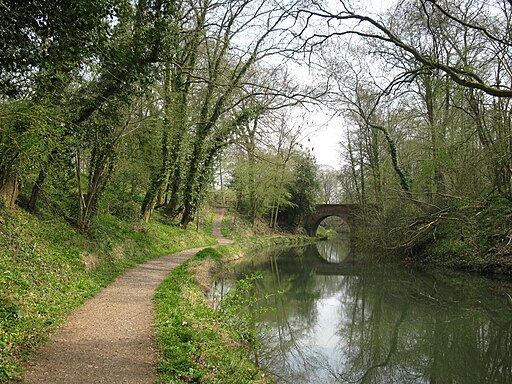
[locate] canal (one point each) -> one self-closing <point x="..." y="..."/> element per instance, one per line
<point x="330" y="316"/>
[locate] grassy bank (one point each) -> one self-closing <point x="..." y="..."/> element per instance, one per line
<point x="197" y="343"/>
<point x="47" y="269"/>
<point x="475" y="238"/>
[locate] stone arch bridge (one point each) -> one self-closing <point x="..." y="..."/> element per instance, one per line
<point x="323" y="211"/>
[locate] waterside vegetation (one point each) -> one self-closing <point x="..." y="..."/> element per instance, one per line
<point x="199" y="341"/>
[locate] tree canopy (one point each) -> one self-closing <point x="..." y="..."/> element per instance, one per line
<point x="129" y="107"/>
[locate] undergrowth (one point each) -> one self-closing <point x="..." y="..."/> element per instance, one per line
<point x="472" y="237"/>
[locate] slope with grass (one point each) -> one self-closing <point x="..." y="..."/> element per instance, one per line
<point x="47" y="269"/>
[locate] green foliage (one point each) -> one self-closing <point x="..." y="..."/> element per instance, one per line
<point x="304" y="190"/>
<point x="305" y="186"/>
<point x="43" y="41"/>
<point x="234" y="227"/>
<point x="28" y="133"/>
<point x="259" y="185"/>
<point x="70" y="90"/>
<point x="255" y="186"/>
<point x="241" y="307"/>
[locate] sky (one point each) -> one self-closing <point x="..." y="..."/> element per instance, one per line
<point x="324" y="137"/>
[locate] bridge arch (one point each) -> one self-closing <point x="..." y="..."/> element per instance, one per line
<point x="323" y="211"/>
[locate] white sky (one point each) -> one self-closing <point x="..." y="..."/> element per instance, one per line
<point x="325" y="135"/>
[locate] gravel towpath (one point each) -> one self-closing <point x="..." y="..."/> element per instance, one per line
<point x="110" y="338"/>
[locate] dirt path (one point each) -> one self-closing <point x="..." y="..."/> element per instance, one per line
<point x="219" y="214"/>
<point x="110" y="338"/>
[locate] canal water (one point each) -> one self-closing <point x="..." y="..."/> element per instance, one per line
<point x="334" y="317"/>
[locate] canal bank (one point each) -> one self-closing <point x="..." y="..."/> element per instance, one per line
<point x="196" y="342"/>
<point x="336" y="315"/>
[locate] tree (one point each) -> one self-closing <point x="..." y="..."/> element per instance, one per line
<point x="82" y="67"/>
<point x="303" y="188"/>
<point x="43" y="45"/>
<point x="443" y="74"/>
<point x="226" y="73"/>
<point x="270" y="143"/>
<point x="140" y="40"/>
<point x="487" y="22"/>
<point x="330" y="185"/>
<point x="180" y="83"/>
<point x="211" y="91"/>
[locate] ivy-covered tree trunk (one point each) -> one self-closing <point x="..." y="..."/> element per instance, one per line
<point x="436" y="131"/>
<point x="101" y="166"/>
<point x="190" y="191"/>
<point x="9" y="190"/>
<point x="180" y="75"/>
<point x="174" y="188"/>
<point x="393" y="151"/>
<point x="36" y="189"/>
<point x="162" y="174"/>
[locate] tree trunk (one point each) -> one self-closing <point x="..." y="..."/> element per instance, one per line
<point x="190" y="197"/>
<point x="436" y="135"/>
<point x="36" y="189"/>
<point x="353" y="169"/>
<point x="150" y="199"/>
<point x="101" y="167"/>
<point x="393" y="151"/>
<point x="172" y="208"/>
<point x="9" y="192"/>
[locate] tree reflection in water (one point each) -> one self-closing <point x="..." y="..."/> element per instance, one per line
<point x="357" y="322"/>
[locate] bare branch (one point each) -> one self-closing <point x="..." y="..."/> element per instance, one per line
<point x="463" y="77"/>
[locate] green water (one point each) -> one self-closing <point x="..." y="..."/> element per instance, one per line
<point x="337" y="318"/>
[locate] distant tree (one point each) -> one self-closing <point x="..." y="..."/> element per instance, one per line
<point x="304" y="189"/>
<point x="330" y="186"/>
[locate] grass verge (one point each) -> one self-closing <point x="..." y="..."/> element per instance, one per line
<point x="198" y="344"/>
<point x="47" y="269"/>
